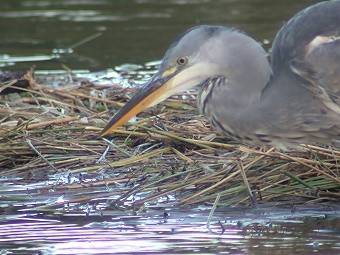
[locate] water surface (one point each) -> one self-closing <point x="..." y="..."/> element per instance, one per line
<point x="173" y="231"/>
<point x="133" y="31"/>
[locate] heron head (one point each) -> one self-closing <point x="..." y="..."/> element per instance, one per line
<point x="193" y="58"/>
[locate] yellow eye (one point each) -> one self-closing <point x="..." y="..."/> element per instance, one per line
<point x="182" y="61"/>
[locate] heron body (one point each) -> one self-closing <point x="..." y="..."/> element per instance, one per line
<point x="294" y="98"/>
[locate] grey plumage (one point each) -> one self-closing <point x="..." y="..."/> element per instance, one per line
<point x="300" y="103"/>
<point x="293" y="98"/>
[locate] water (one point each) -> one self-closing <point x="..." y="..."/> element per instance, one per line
<point x="133" y="31"/>
<point x="173" y="231"/>
<point x="134" y="34"/>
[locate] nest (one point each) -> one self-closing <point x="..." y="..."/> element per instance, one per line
<point x="49" y="142"/>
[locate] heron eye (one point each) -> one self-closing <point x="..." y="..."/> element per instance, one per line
<point x="182" y="61"/>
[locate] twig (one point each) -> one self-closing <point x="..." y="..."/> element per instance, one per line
<point x="6" y="85"/>
<point x="85" y="40"/>
<point x="213" y="210"/>
<point x="246" y="183"/>
<point x="51" y="122"/>
<point x="116" y="147"/>
<point x="40" y="155"/>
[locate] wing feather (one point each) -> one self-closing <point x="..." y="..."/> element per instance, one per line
<point x="309" y="46"/>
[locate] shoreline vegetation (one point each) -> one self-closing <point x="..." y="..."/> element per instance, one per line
<point x="170" y="155"/>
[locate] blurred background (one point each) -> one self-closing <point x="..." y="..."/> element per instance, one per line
<point x="132" y="31"/>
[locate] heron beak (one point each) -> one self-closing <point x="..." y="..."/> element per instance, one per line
<point x="155" y="91"/>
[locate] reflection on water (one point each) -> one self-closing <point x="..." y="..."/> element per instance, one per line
<point x="40" y="218"/>
<point x="261" y="231"/>
<point x="133" y="31"/>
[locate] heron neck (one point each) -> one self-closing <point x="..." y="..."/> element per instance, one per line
<point x="235" y="102"/>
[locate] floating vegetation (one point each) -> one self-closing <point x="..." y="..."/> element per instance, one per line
<point x="49" y="145"/>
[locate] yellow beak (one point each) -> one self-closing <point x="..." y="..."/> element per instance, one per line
<point x="155" y="91"/>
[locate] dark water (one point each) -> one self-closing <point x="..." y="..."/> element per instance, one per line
<point x="135" y="32"/>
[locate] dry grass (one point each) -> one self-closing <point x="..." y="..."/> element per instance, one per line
<point x="171" y="155"/>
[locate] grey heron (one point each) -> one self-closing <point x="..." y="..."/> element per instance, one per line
<point x="292" y="98"/>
